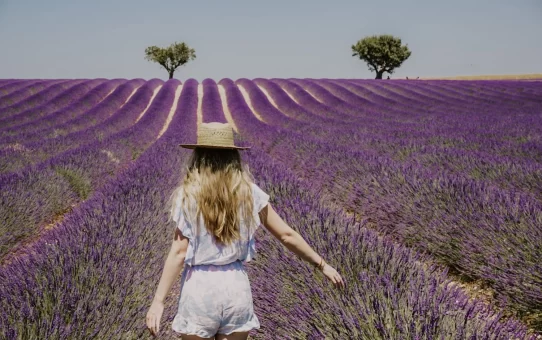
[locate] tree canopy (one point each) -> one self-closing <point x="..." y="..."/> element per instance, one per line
<point x="170" y="57"/>
<point x="383" y="53"/>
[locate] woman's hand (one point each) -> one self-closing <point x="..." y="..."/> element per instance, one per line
<point x="153" y="317"/>
<point x="332" y="274"/>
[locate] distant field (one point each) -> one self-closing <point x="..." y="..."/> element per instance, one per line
<point x="536" y="76"/>
<point x="425" y="195"/>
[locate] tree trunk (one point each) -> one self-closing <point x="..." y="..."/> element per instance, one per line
<point x="379" y="74"/>
<point x="171" y="74"/>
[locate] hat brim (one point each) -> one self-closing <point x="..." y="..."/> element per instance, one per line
<point x="193" y="146"/>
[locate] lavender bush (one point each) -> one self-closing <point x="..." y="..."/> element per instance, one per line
<point x="82" y="105"/>
<point x="13" y="85"/>
<point x="419" y="206"/>
<point x="399" y="154"/>
<point x="55" y="186"/>
<point x="38" y="98"/>
<point x="8" y="121"/>
<point x="27" y="91"/>
<point x="121" y="229"/>
<point x="384" y="274"/>
<point x="44" y="143"/>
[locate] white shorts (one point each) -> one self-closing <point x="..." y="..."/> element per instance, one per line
<point x="215" y="299"/>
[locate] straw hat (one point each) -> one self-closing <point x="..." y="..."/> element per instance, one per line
<point x="214" y="135"/>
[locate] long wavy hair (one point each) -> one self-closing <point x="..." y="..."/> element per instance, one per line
<point x="216" y="185"/>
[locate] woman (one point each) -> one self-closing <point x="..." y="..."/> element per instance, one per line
<point x="217" y="209"/>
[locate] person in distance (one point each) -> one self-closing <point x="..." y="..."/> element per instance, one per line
<point x="217" y="208"/>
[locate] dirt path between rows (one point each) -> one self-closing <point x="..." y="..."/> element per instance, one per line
<point x="130" y="96"/>
<point x="150" y="102"/>
<point x="249" y="102"/>
<point x="227" y="113"/>
<point x="171" y="110"/>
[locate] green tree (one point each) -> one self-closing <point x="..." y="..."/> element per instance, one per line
<point x="171" y="57"/>
<point x="383" y="53"/>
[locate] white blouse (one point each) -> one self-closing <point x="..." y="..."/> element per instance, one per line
<point x="203" y="249"/>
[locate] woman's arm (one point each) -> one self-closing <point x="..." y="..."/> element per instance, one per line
<point x="171" y="271"/>
<point x="295" y="243"/>
<point x="172" y="266"/>
<point x="287" y="236"/>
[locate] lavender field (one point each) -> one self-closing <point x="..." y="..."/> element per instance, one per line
<point x="425" y="195"/>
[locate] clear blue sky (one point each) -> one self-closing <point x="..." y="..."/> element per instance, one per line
<point x="277" y="38"/>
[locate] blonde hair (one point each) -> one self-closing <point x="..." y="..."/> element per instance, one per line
<point x="217" y="186"/>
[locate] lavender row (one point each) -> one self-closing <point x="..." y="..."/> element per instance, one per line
<point x="272" y="115"/>
<point x="403" y="199"/>
<point x="7" y="81"/>
<point x="309" y="109"/>
<point x="429" y="93"/>
<point x="328" y="99"/>
<point x="308" y="101"/>
<point x="394" y="106"/>
<point x="289" y="107"/>
<point x="38" y="98"/>
<point x="361" y="111"/>
<point x="46" y="143"/>
<point x="454" y="135"/>
<point x="488" y="95"/>
<point x="501" y="131"/>
<point x="502" y="85"/>
<point x="515" y="172"/>
<point x="520" y="140"/>
<point x="66" y="98"/>
<point x="465" y="94"/>
<point x="27" y="91"/>
<point x="382" y="99"/>
<point x="211" y="103"/>
<point x="389" y="293"/>
<point x="112" y="233"/>
<point x="509" y="92"/>
<point x="485" y="96"/>
<point x="533" y="169"/>
<point x="95" y="274"/>
<point x="385" y="97"/>
<point x="506" y="172"/>
<point x="14" y="85"/>
<point x="40" y="193"/>
<point x="378" y="134"/>
<point x="84" y="105"/>
<point x="478" y="107"/>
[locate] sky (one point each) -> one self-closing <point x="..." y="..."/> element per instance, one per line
<point x="269" y="39"/>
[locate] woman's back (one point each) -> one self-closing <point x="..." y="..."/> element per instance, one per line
<point x="203" y="247"/>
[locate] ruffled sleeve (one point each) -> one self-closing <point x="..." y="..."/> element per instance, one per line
<point x="186" y="229"/>
<point x="260" y="199"/>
